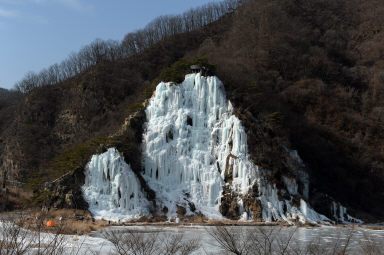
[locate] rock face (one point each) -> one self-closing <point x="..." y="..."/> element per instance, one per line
<point x="195" y="159"/>
<point x="65" y="192"/>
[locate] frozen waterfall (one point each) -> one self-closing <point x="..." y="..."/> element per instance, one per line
<point x="111" y="188"/>
<point x="191" y="139"/>
<point x="193" y="146"/>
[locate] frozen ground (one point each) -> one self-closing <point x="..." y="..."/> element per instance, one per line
<point x="326" y="237"/>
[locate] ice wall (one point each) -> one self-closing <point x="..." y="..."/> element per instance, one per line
<point x="111" y="188"/>
<point x="193" y="145"/>
<point x="190" y="138"/>
<point x="340" y="214"/>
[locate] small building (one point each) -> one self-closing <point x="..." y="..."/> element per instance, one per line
<point x="195" y="68"/>
<point x="198" y="69"/>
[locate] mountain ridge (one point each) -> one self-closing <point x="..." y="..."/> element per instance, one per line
<point x="307" y="81"/>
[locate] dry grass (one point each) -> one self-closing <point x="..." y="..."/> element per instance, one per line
<point x="68" y="213"/>
<point x="70" y="222"/>
<point x="204" y="221"/>
<point x="146" y="219"/>
<point x="226" y="222"/>
<point x="195" y="219"/>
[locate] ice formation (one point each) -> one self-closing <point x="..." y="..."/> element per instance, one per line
<point x="112" y="190"/>
<point x="193" y="145"/>
<point x="191" y="138"/>
<point x="193" y="141"/>
<point x="340" y="214"/>
<point x="273" y="209"/>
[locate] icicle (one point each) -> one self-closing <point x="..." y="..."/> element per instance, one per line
<point x="199" y="116"/>
<point x="108" y="183"/>
<point x="192" y="144"/>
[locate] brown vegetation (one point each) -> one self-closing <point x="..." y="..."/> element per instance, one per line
<point x="312" y="82"/>
<point x="92" y="104"/>
<point x="68" y="221"/>
<point x="16" y="239"/>
<point x="308" y="80"/>
<point x="99" y="51"/>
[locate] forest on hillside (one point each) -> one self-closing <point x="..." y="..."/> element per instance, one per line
<point x="310" y="72"/>
<point x="98" y="51"/>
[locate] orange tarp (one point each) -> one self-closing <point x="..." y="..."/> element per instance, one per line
<point x="50" y="223"/>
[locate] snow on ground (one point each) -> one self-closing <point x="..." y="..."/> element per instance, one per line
<point x="328" y="235"/>
<point x="71" y="244"/>
<point x="325" y="236"/>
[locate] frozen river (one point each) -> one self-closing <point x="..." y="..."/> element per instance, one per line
<point x="207" y="239"/>
<point x="320" y="240"/>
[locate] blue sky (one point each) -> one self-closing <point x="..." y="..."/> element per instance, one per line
<point x="37" y="33"/>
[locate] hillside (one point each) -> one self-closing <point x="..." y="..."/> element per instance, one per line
<point x="314" y="69"/>
<point x="309" y="80"/>
<point x="8" y="97"/>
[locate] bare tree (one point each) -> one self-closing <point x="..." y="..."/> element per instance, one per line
<point x="20" y="234"/>
<point x="153" y="243"/>
<point x="272" y="240"/>
<point x="99" y="50"/>
<point x="14" y="239"/>
<point x="175" y="244"/>
<point x="231" y="239"/>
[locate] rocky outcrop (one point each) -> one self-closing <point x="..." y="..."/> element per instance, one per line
<point x="65" y="192"/>
<point x="229" y="206"/>
<point x="252" y="205"/>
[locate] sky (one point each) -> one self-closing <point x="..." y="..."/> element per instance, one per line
<point x="37" y="33"/>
